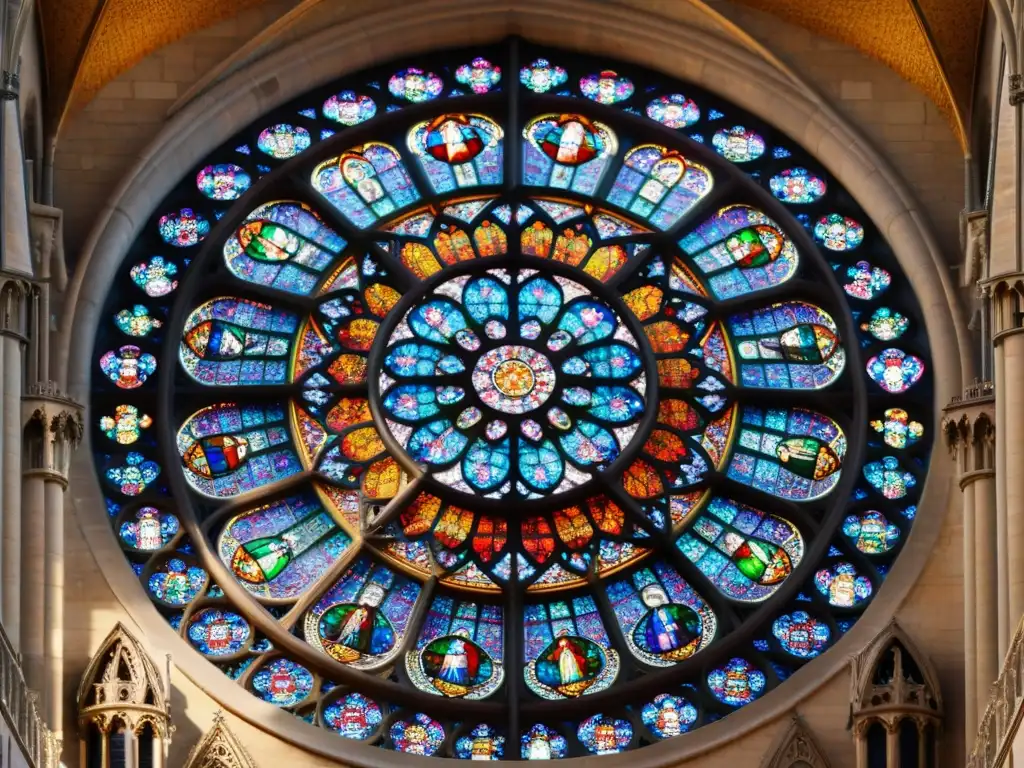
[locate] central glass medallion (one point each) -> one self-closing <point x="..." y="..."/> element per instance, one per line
<point x="514" y="379"/>
<point x="512" y="383"/>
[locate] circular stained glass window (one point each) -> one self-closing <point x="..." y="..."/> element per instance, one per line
<point x="458" y="430"/>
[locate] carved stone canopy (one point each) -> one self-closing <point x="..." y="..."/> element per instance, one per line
<point x="122" y="684"/>
<point x="893" y="680"/>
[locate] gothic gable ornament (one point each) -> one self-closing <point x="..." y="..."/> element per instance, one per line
<point x="219" y="748"/>
<point x="796" y="749"/>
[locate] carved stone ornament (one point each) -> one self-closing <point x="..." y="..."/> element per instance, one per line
<point x="893" y="680"/>
<point x="122" y="684"/>
<point x="219" y="748"/>
<point x="796" y="749"/>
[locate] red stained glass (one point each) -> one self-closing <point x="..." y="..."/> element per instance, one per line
<point x="641" y="481"/>
<point x="420" y="515"/>
<point x="358" y="335"/>
<point x="348" y="369"/>
<point x="678" y="414"/>
<point x="490" y="538"/>
<point x="607" y="515"/>
<point x="538" y="539"/>
<point x="666" y="337"/>
<point x="677" y="373"/>
<point x="572" y="248"/>
<point x="665" y="446"/>
<point x="453" y="527"/>
<point x="536" y="240"/>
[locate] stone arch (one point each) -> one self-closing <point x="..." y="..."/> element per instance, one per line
<point x="707" y="61"/>
<point x="796" y="748"/>
<point x="219" y="748"/>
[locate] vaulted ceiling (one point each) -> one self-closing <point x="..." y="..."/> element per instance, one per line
<point x="931" y="43"/>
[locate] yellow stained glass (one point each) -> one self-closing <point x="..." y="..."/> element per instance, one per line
<point x="420" y="515"/>
<point x="453" y="246"/>
<point x="573" y="527"/>
<point x="536" y="240"/>
<point x="606" y="262"/>
<point x="453" y="527"/>
<point x="347" y="412"/>
<point x="644" y="302"/>
<point x="362" y="444"/>
<point x="677" y="373"/>
<point x="490" y="239"/>
<point x="420" y="260"/>
<point x="641" y="481"/>
<point x="359" y="334"/>
<point x="382" y="479"/>
<point x="572" y="248"/>
<point x="381" y="299"/>
<point x="349" y="369"/>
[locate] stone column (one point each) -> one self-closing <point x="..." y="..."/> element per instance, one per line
<point x="1012" y="342"/>
<point x="53" y="604"/>
<point x="970" y="438"/>
<point x="10" y="484"/>
<point x="33" y="559"/>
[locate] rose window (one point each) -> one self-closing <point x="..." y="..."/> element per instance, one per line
<point x="510" y="407"/>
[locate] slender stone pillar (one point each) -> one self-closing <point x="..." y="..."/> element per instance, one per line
<point x="970" y="589"/>
<point x="33" y="558"/>
<point x="53" y="604"/>
<point x="1013" y="425"/>
<point x="971" y="438"/>
<point x="1005" y="628"/>
<point x="10" y="483"/>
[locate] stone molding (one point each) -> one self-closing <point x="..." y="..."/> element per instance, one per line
<point x="1005" y="710"/>
<point x="796" y="749"/>
<point x="708" y="61"/>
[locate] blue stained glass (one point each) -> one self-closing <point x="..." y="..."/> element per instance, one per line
<point x="659" y="185"/>
<point x="801" y="635"/>
<point x="229" y="341"/>
<point x="279" y="550"/>
<point x="282" y="245"/>
<point x="282" y="141"/>
<point x="214" y="632"/>
<point x="282" y="682"/>
<point x="736" y="683"/>
<point x="675" y="111"/>
<point x="843" y="585"/>
<point x="746" y="553"/>
<point x="792" y="345"/>
<point x="590" y="444"/>
<point x="541" y="465"/>
<point x="361" y="620"/>
<point x="229" y="449"/>
<point x="871" y="532"/>
<point x="614" y="361"/>
<point x="437" y="443"/>
<point x="482" y="743"/>
<point x="668" y="715"/>
<point x="486" y="466"/>
<point x="421" y="360"/>
<point x="366" y="183"/>
<point x="419" y="735"/>
<point x="437" y="320"/>
<point x="605" y="735"/>
<point x="176" y="582"/>
<point x="135" y="475"/>
<point x="895" y="371"/>
<point x="184" y="228"/>
<point x="412" y="402"/>
<point x="485" y="298"/>
<point x="349" y="108"/>
<point x="224" y="181"/>
<point x="588" y="321"/>
<point x="540" y="298"/>
<point x="459" y="650"/>
<point x="458" y="151"/>
<point x="889" y="478"/>
<point x="614" y="404"/>
<point x="742" y="251"/>
<point x="793" y="453"/>
<point x="567" y="152"/>
<point x="542" y="743"/>
<point x="353" y="716"/>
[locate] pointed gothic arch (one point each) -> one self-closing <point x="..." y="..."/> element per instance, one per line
<point x="122" y="689"/>
<point x="896" y="703"/>
<point x="796" y="748"/>
<point x="219" y="748"/>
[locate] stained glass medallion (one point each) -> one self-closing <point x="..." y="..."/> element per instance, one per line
<point x="470" y="411"/>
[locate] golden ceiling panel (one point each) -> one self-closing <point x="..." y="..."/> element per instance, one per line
<point x="930" y="43"/>
<point x="119" y="34"/>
